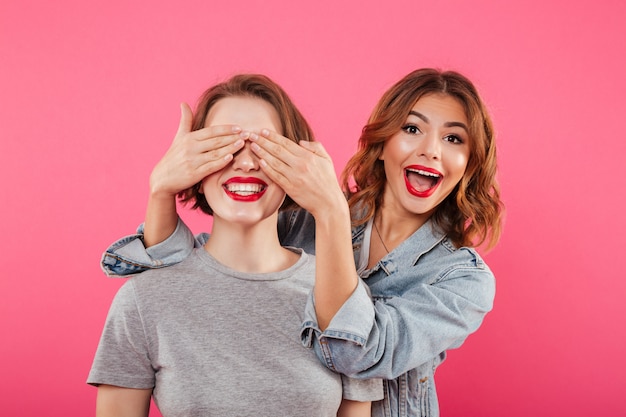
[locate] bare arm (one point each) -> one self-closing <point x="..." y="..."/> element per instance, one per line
<point x="335" y="273"/>
<point x="115" y="401"/>
<point x="307" y="175"/>
<point x="349" y="408"/>
<point x="192" y="156"/>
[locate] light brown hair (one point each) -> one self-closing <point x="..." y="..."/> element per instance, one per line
<point x="472" y="214"/>
<point x="294" y="126"/>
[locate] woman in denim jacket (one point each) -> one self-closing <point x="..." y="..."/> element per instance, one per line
<point x="421" y="194"/>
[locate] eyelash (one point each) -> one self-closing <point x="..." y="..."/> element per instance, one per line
<point x="414" y="130"/>
<point x="455" y="139"/>
<point x="407" y="127"/>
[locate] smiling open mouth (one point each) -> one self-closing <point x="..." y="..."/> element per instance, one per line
<point x="421" y="182"/>
<point x="245" y="188"/>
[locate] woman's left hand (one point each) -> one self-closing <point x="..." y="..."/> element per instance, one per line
<point x="305" y="171"/>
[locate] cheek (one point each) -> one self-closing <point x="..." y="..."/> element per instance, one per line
<point x="209" y="184"/>
<point x="396" y="149"/>
<point x="457" y="163"/>
<point x="279" y="198"/>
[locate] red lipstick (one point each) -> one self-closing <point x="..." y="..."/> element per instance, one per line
<point x="245" y="189"/>
<point x="422" y="181"/>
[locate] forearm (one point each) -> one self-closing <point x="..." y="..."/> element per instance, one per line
<point x="387" y="338"/>
<point x="335" y="274"/>
<point x="161" y="219"/>
<point x="349" y="408"/>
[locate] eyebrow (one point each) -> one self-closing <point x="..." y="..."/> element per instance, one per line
<point x="447" y="124"/>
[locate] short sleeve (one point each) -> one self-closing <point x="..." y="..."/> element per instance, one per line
<point x="122" y="358"/>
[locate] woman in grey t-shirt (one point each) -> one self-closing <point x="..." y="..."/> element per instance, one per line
<point x="218" y="334"/>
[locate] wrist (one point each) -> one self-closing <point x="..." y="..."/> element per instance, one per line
<point x="162" y="200"/>
<point x="333" y="215"/>
<point x="160" y="193"/>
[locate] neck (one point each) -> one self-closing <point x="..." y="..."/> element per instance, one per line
<point x="395" y="226"/>
<point x="249" y="248"/>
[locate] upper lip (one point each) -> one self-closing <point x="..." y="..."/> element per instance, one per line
<point x="244" y="185"/>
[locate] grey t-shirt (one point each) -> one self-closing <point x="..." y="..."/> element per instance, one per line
<point x="214" y="341"/>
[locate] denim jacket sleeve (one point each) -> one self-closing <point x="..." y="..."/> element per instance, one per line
<point x="128" y="256"/>
<point x="401" y="328"/>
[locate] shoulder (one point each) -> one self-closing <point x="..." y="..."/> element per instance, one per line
<point x="463" y="255"/>
<point x="434" y="257"/>
<point x="304" y="266"/>
<point x="451" y="263"/>
<point x="160" y="278"/>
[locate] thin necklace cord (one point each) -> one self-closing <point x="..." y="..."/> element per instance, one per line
<point x="379" y="236"/>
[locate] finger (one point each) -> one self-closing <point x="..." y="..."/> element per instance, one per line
<point x="211" y="165"/>
<point x="216" y="153"/>
<point x="276" y="149"/>
<point x="280" y="140"/>
<point x="271" y="162"/>
<point x="186" y="118"/>
<point x="212" y="132"/>
<point x="316" y="147"/>
<point x="203" y="165"/>
<point x="228" y="144"/>
<point x="277" y="176"/>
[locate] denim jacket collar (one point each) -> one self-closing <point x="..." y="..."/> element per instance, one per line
<point x="420" y="242"/>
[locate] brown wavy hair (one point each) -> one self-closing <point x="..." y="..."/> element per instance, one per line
<point x="294" y="125"/>
<point x="472" y="214"/>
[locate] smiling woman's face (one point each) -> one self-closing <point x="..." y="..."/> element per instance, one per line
<point x="241" y="192"/>
<point x="427" y="158"/>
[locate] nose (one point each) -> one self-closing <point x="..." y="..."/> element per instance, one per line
<point x="430" y="146"/>
<point x="245" y="160"/>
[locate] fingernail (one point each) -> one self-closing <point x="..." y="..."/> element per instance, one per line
<point x="236" y="129"/>
<point x="254" y="136"/>
<point x="244" y="135"/>
<point x="239" y="143"/>
<point x="265" y="132"/>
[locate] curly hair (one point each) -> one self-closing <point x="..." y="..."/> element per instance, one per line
<point x="472" y="214"/>
<point x="294" y="125"/>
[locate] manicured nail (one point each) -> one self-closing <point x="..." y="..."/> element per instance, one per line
<point x="265" y="132"/>
<point x="239" y="143"/>
<point x="254" y="136"/>
<point x="255" y="147"/>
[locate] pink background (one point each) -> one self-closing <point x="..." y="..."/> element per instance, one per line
<point x="89" y="101"/>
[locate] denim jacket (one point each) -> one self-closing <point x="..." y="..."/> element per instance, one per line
<point x="423" y="298"/>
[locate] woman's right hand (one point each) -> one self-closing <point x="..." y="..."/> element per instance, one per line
<point x="193" y="155"/>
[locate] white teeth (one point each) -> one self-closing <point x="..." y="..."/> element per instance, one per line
<point x="244" y="189"/>
<point x="424" y="173"/>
